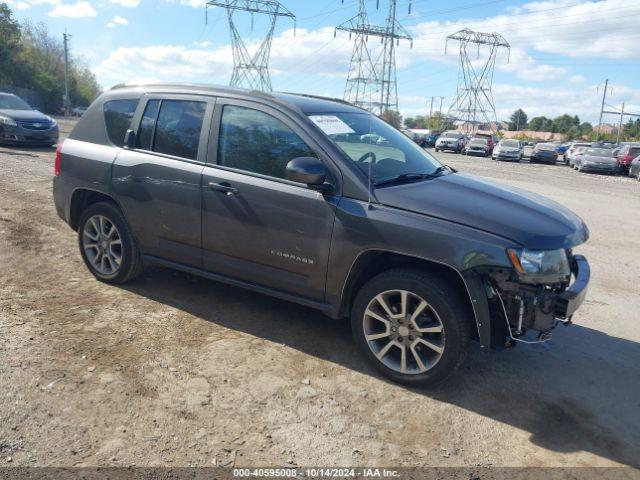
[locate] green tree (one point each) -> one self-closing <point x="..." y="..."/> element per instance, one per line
<point x="392" y="117"/>
<point x="9" y="43"/>
<point x="563" y="124"/>
<point x="31" y="58"/>
<point x="518" y="120"/>
<point x="586" y="128"/>
<point x="540" y="124"/>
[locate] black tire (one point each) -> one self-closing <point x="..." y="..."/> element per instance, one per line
<point x="436" y="150"/>
<point x="451" y="307"/>
<point x="131" y="263"/>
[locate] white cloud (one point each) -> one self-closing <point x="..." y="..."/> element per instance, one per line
<point x="165" y="63"/>
<point x="126" y="3"/>
<point x="117" y="20"/>
<point x="24" y="4"/>
<point x="577" y="79"/>
<point x="190" y="3"/>
<point x="526" y="68"/>
<point x="203" y="44"/>
<point x="79" y="9"/>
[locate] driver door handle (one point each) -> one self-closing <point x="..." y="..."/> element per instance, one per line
<point x="223" y="187"/>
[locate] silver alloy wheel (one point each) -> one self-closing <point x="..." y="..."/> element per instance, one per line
<point x="102" y="244"/>
<point x="404" y="331"/>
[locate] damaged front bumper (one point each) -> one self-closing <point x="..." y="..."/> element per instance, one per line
<point x="507" y="310"/>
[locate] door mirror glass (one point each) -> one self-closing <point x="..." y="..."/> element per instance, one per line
<point x="308" y="170"/>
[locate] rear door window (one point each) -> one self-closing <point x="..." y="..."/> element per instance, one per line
<point x="117" y="118"/>
<point x="172" y="127"/>
<point x="178" y="128"/>
<point x="634" y="152"/>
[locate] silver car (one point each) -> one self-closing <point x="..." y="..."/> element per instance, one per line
<point x="508" y="150"/>
<point x="600" y="160"/>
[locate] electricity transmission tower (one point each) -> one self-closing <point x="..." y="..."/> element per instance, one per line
<point x="251" y="71"/>
<point x="372" y="85"/>
<point x="473" y="104"/>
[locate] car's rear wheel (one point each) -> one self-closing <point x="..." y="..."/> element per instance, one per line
<point x="106" y="244"/>
<point x="412" y="326"/>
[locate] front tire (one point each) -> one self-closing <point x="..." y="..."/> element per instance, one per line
<point x="107" y="246"/>
<point x="412" y="326"/>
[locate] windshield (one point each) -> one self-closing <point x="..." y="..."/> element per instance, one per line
<point x="598" y="152"/>
<point x="451" y="135"/>
<point x="11" y="102"/>
<point x="509" y="143"/>
<point x="373" y="145"/>
<point x="478" y="141"/>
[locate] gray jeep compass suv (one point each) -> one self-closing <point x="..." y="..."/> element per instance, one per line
<point x="286" y="195"/>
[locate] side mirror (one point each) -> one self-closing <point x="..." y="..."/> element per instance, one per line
<point x="130" y="139"/>
<point x="308" y="170"/>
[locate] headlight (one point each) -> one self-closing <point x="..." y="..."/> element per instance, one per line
<point x="541" y="265"/>
<point x="8" y="121"/>
<point x="52" y="120"/>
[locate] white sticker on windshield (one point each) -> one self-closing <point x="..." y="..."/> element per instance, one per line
<point x="331" y="125"/>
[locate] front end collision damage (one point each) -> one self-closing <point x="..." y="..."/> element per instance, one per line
<point x="506" y="307"/>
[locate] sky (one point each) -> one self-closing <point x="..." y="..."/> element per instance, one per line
<point x="561" y="50"/>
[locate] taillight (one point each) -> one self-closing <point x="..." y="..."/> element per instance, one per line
<point x="56" y="164"/>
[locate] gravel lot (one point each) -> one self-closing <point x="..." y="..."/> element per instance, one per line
<point x="180" y="371"/>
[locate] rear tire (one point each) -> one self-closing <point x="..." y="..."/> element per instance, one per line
<point x="431" y="326"/>
<point x="107" y="246"/>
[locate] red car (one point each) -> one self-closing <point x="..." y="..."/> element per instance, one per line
<point x="491" y="140"/>
<point x="626" y="156"/>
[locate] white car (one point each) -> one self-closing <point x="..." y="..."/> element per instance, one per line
<point x="454" y="141"/>
<point x="572" y="150"/>
<point x="508" y="150"/>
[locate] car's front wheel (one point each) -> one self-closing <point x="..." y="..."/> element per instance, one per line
<point x="412" y="326"/>
<point x="106" y="244"/>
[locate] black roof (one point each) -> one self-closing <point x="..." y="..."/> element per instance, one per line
<point x="305" y="103"/>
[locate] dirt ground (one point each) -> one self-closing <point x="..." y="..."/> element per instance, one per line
<point x="174" y="370"/>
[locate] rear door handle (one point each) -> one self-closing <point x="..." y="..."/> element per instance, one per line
<point x="223" y="187"/>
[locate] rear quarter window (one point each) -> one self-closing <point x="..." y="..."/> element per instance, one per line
<point x="117" y="118"/>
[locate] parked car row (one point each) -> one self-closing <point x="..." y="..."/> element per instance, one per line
<point x="583" y="156"/>
<point x="605" y="158"/>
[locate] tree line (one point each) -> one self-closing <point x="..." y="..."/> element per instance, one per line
<point x="569" y="126"/>
<point x="31" y="58"/>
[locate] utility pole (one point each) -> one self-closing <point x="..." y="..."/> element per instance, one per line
<point x="621" y="120"/>
<point x="66" y="104"/>
<point x="604" y="99"/>
<point x="440" y="119"/>
<point x="433" y="97"/>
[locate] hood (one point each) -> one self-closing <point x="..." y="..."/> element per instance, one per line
<point x="528" y="219"/>
<point x="24" y="114"/>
